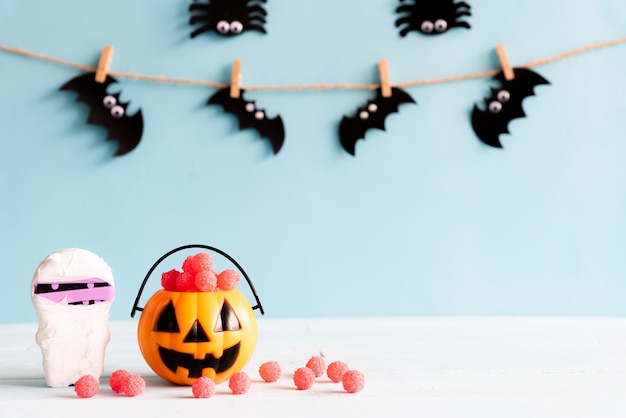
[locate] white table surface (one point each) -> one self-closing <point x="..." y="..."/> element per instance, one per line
<point x="414" y="367"/>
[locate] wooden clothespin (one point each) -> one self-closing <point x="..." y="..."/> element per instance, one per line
<point x="103" y="64"/>
<point x="235" y="80"/>
<point x="504" y="62"/>
<point x="385" y="86"/>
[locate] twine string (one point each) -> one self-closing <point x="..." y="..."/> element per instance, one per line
<point x="318" y="86"/>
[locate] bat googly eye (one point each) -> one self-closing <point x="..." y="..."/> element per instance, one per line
<point x="495" y="107"/>
<point x="223" y="26"/>
<point x="372" y="107"/>
<point x="117" y="111"/>
<point x="259" y="115"/>
<point x="441" y="25"/>
<point x="427" y="26"/>
<point x="364" y="115"/>
<point x="109" y="101"/>
<point x="250" y="107"/>
<point x="236" y="27"/>
<point x="503" y="96"/>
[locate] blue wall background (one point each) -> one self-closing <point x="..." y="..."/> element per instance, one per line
<point x="425" y="220"/>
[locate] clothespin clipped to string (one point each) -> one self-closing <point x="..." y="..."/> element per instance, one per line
<point x="383" y="70"/>
<point x="504" y="63"/>
<point x="235" y="80"/>
<point x="103" y="63"/>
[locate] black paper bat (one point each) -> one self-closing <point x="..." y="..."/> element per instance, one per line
<point x="370" y="116"/>
<point x="504" y="105"/>
<point x="250" y="117"/>
<point x="107" y="111"/>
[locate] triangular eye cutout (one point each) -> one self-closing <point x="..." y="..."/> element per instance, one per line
<point x="167" y="320"/>
<point x="227" y="320"/>
<point x="196" y="334"/>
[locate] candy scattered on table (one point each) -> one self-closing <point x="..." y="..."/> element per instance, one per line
<point x="116" y="379"/>
<point x="203" y="387"/>
<point x="317" y="365"/>
<point x="270" y="371"/>
<point x="133" y="385"/>
<point x="239" y="383"/>
<point x="86" y="386"/>
<point x="353" y="381"/>
<point x="336" y="370"/>
<point x="303" y="378"/>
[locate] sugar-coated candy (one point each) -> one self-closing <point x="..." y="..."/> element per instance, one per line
<point x="336" y="370"/>
<point x="206" y="281"/>
<point x="86" y="386"/>
<point x="116" y="379"/>
<point x="185" y="282"/>
<point x="303" y="378"/>
<point x="239" y="383"/>
<point x="317" y="364"/>
<point x="168" y="280"/>
<point x="228" y="280"/>
<point x="203" y="387"/>
<point x="270" y="371"/>
<point x="198" y="262"/>
<point x="133" y="384"/>
<point x="353" y="381"/>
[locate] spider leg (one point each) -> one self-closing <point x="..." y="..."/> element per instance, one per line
<point x="405" y="8"/>
<point x="462" y="4"/>
<point x="259" y="28"/>
<point x="403" y="20"/>
<point x="461" y="25"/>
<point x="197" y="19"/>
<point x="201" y="30"/>
<point x="407" y="29"/>
<point x="199" y="7"/>
<point x="257" y="19"/>
<point x="251" y="1"/>
<point x="257" y="9"/>
<point x="462" y="13"/>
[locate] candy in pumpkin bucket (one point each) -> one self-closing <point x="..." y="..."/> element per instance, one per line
<point x="199" y="325"/>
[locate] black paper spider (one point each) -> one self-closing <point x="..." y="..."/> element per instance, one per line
<point x="227" y="17"/>
<point x="431" y="17"/>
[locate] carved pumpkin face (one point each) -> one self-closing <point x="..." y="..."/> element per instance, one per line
<point x="186" y="335"/>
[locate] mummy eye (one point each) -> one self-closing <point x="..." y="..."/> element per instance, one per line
<point x="495" y="107"/>
<point x="109" y="101"/>
<point x="427" y="26"/>
<point x="236" y="27"/>
<point x="503" y="96"/>
<point x="441" y="25"/>
<point x="223" y="26"/>
<point x="117" y="111"/>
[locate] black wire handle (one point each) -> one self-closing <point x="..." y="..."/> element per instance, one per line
<point x="206" y="247"/>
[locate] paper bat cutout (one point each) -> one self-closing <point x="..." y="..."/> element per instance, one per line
<point x="370" y="116"/>
<point x="504" y="105"/>
<point x="107" y="111"/>
<point x="250" y="117"/>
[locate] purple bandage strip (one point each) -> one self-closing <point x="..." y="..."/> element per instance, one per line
<point x="81" y="294"/>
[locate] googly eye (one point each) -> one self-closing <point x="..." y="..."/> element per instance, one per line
<point x="236" y="27"/>
<point x="117" y="111"/>
<point x="427" y="26"/>
<point x="109" y="101"/>
<point x="372" y="107"/>
<point x="259" y="115"/>
<point x="495" y="107"/>
<point x="364" y="115"/>
<point x="250" y="107"/>
<point x="503" y="96"/>
<point x="441" y="25"/>
<point x="223" y="27"/>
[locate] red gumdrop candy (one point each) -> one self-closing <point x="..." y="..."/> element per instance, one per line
<point x="303" y="378"/>
<point x="336" y="370"/>
<point x="239" y="383"/>
<point x="353" y="381"/>
<point x="206" y="281"/>
<point x="133" y="385"/>
<point x="317" y="364"/>
<point x="228" y="280"/>
<point x="87" y="386"/>
<point x="185" y="282"/>
<point x="203" y="387"/>
<point x="198" y="262"/>
<point x="168" y="280"/>
<point x="116" y="379"/>
<point x="270" y="371"/>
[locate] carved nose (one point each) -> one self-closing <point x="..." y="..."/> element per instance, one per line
<point x="196" y="334"/>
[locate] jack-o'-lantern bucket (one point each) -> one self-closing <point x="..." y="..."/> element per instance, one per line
<point x="194" y="327"/>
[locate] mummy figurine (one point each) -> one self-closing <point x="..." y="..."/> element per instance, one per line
<point x="72" y="291"/>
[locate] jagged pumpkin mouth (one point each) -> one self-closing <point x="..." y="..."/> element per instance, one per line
<point x="174" y="359"/>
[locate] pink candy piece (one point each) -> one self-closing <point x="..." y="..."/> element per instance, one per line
<point x="228" y="280"/>
<point x="197" y="263"/>
<point x="86" y="386"/>
<point x="270" y="371"/>
<point x="203" y="387"/>
<point x="336" y="370"/>
<point x="185" y="282"/>
<point x="303" y="378"/>
<point x="206" y="281"/>
<point x="168" y="280"/>
<point x="353" y="381"/>
<point x="132" y="384"/>
<point x="317" y="364"/>
<point x="239" y="383"/>
<point x="117" y="377"/>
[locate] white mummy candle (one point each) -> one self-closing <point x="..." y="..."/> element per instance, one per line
<point x="72" y="291"/>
